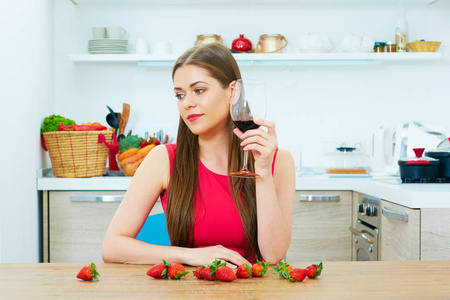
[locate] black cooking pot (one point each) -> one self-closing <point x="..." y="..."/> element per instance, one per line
<point x="419" y="169"/>
<point x="443" y="155"/>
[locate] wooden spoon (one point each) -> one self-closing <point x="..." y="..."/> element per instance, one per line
<point x="120" y="117"/>
<point x="125" y="114"/>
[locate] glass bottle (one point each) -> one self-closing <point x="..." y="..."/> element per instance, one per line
<point x="400" y="35"/>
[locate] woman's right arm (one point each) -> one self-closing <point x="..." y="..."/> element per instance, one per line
<point x="120" y="244"/>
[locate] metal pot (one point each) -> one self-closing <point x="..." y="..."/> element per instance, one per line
<point x="274" y="43"/>
<point x="420" y="168"/>
<point x="442" y="153"/>
<point x="203" y="39"/>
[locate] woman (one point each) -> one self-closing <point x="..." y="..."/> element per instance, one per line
<point x="209" y="215"/>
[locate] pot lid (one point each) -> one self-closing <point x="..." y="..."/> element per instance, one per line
<point x="346" y="149"/>
<point x="418" y="159"/>
<point x="443" y="150"/>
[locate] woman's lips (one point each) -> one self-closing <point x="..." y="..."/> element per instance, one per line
<point x="193" y="117"/>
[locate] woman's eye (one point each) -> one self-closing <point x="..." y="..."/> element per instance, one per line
<point x="179" y="96"/>
<point x="199" y="91"/>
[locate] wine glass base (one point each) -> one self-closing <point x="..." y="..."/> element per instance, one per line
<point x="243" y="174"/>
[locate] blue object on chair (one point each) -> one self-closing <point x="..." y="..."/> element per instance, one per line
<point x="154" y="230"/>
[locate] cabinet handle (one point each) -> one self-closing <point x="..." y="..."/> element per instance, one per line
<point x="96" y="198"/>
<point x="394" y="215"/>
<point x="310" y="198"/>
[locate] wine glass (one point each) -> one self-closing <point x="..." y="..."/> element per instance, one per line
<point x="248" y="102"/>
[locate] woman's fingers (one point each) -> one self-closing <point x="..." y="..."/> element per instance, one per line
<point x="269" y="124"/>
<point x="256" y="139"/>
<point x="231" y="256"/>
<point x="238" y="132"/>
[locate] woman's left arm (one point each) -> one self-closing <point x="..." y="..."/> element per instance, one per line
<point x="274" y="194"/>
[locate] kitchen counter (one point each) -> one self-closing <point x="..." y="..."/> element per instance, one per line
<point x="339" y="280"/>
<point x="387" y="188"/>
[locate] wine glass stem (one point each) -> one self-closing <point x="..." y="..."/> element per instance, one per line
<point x="245" y="160"/>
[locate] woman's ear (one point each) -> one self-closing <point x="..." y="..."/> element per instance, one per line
<point x="235" y="91"/>
<point x="231" y="87"/>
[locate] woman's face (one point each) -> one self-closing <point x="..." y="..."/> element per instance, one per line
<point x="202" y="101"/>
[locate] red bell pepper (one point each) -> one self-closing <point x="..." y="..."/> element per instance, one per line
<point x="150" y="141"/>
<point x="63" y="127"/>
<point x="155" y="141"/>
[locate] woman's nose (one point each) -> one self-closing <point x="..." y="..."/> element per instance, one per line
<point x="188" y="102"/>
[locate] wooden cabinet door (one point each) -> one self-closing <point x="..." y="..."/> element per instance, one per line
<point x="78" y="222"/>
<point x="320" y="227"/>
<point x="435" y="234"/>
<point x="400" y="232"/>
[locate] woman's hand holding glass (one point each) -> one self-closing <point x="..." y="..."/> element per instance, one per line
<point x="262" y="144"/>
<point x="248" y="103"/>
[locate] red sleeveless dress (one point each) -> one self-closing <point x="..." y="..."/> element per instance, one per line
<point x="217" y="221"/>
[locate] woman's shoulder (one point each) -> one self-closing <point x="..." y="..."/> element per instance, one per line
<point x="283" y="161"/>
<point x="162" y="153"/>
<point x="158" y="159"/>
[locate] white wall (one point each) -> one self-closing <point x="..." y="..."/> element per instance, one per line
<point x="310" y="104"/>
<point x="26" y="80"/>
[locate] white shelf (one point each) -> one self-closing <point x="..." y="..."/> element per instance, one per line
<point x="256" y="2"/>
<point x="265" y="58"/>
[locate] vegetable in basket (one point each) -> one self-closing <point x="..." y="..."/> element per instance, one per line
<point x="100" y="127"/>
<point x="51" y="123"/>
<point x="150" y="141"/>
<point x="132" y="158"/>
<point x="129" y="142"/>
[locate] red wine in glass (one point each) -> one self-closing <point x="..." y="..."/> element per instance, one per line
<point x="248" y="102"/>
<point x="245" y="125"/>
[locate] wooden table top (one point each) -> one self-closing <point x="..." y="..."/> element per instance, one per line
<point x="339" y="280"/>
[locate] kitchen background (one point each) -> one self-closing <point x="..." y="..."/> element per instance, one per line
<point x="315" y="105"/>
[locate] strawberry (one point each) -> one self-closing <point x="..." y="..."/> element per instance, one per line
<point x="159" y="270"/>
<point x="224" y="273"/>
<point x="260" y="268"/>
<point x="210" y="270"/>
<point x="89" y="273"/>
<point x="283" y="270"/>
<point x="244" y="271"/>
<point x="198" y="272"/>
<point x="176" y="270"/>
<point x="208" y="274"/>
<point x="297" y="275"/>
<point x="314" y="271"/>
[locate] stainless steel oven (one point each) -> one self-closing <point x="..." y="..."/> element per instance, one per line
<point x="366" y="230"/>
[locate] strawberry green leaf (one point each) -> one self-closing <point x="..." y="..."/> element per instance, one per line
<point x="179" y="275"/>
<point x="164" y="273"/>
<point x="94" y="272"/>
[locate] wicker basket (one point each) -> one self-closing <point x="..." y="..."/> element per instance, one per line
<point x="77" y="153"/>
<point x="423" y="46"/>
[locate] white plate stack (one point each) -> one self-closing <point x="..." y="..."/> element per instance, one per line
<point x="108" y="46"/>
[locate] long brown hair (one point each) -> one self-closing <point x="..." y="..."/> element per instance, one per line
<point x="221" y="65"/>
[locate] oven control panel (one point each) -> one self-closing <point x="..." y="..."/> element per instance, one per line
<point x="369" y="210"/>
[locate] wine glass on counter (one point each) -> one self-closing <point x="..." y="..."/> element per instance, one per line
<point x="248" y="103"/>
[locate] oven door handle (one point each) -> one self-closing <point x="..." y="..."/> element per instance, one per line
<point x="364" y="236"/>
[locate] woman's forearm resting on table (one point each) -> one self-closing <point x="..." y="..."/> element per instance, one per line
<point x="124" y="249"/>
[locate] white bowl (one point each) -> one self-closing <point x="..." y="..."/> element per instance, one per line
<point x="315" y="42"/>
